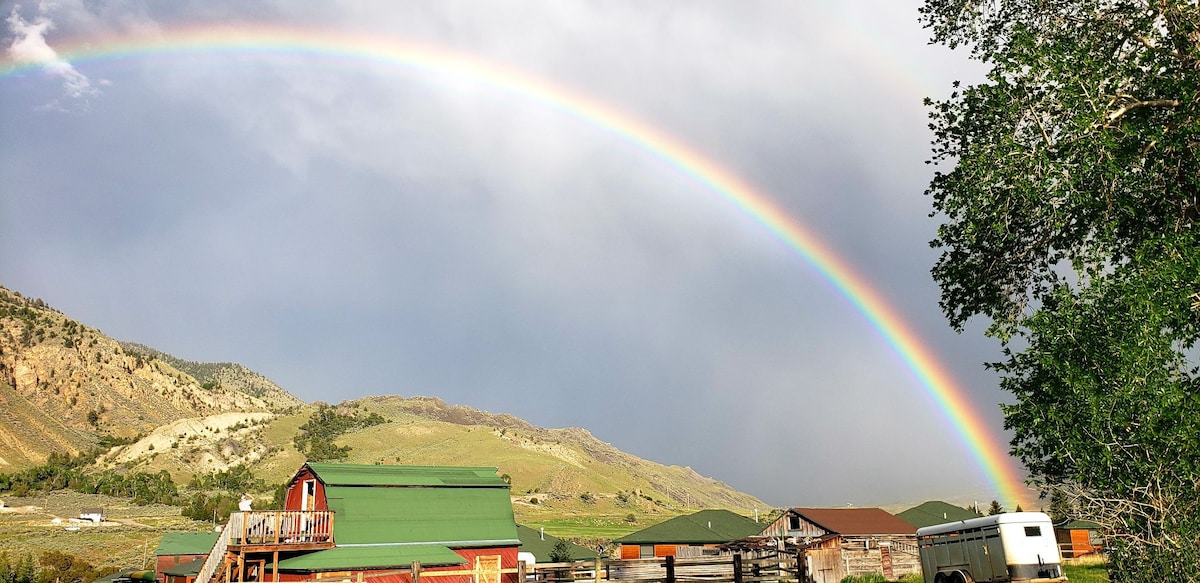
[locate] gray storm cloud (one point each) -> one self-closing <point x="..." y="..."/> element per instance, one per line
<point x="352" y="229"/>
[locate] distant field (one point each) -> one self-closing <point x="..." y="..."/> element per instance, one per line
<point x="586" y="528"/>
<point x="128" y="537"/>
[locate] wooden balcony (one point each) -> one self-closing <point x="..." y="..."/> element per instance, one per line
<point x="291" y="530"/>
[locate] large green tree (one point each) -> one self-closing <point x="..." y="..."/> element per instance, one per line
<point x="1070" y="222"/>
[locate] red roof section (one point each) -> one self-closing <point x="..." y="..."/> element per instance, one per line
<point x="856" y="520"/>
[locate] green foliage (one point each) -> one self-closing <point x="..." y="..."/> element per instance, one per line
<point x="52" y="567"/>
<point x="62" y="472"/>
<point x="21" y="570"/>
<point x="316" y="436"/>
<point x="995" y="508"/>
<point x="587" y="498"/>
<point x="238" y="478"/>
<point x="1061" y="508"/>
<point x="868" y="578"/>
<point x="59" y="567"/>
<point x="561" y="553"/>
<point x="1071" y="223"/>
<point x="216" y="507"/>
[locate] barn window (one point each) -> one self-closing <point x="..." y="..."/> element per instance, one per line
<point x="646" y="552"/>
<point x="1033" y="531"/>
<point x="793" y="522"/>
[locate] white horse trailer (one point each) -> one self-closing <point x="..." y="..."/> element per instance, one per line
<point x="1017" y="546"/>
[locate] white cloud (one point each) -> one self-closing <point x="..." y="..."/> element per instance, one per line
<point x="29" y="46"/>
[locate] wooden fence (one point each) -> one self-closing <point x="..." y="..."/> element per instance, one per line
<point x="735" y="568"/>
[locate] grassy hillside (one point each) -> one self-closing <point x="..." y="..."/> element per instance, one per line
<point x="66" y="387"/>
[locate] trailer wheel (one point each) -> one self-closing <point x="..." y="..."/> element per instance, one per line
<point x="961" y="577"/>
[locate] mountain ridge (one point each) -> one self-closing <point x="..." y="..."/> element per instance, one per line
<point x="65" y="386"/>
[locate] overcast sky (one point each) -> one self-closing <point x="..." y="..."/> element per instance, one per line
<point x="352" y="229"/>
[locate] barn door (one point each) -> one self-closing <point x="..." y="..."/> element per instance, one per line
<point x="487" y="569"/>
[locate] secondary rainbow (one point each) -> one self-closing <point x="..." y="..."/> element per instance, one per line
<point x="325" y="44"/>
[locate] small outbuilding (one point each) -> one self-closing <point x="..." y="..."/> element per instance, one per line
<point x="1078" y="538"/>
<point x="837" y="542"/>
<point x="691" y="535"/>
<point x="95" y="515"/>
<point x="181" y="548"/>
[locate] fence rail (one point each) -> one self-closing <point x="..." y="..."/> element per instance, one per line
<point x="774" y="568"/>
<point x="734" y="568"/>
<point x="280" y="527"/>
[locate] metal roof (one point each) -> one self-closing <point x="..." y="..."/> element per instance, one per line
<point x="383" y="475"/>
<point x="856" y="521"/>
<point x="703" y="527"/>
<point x="186" y="543"/>
<point x="372" y="557"/>
<point x="457" y="517"/>
<point x="935" y="512"/>
<point x="540" y="544"/>
<point x="188" y="569"/>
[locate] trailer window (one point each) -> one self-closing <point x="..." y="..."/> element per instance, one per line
<point x="1033" y="531"/>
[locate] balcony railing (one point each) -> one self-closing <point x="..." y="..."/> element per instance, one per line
<point x="302" y="528"/>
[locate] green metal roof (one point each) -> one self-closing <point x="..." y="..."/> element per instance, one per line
<point x="377" y="557"/>
<point x="704" y="527"/>
<point x="186" y="543"/>
<point x="540" y="544"/>
<point x="382" y="475"/>
<point x="190" y="568"/>
<point x="458" y="517"/>
<point x="935" y="512"/>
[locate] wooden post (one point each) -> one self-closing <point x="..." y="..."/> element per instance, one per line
<point x="670" y="568"/>
<point x="596" y="570"/>
<point x="521" y="567"/>
<point x="737" y="567"/>
<point x="416" y="572"/>
<point x="275" y="566"/>
<point x="801" y="568"/>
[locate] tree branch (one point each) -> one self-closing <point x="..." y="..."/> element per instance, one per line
<point x="1128" y="107"/>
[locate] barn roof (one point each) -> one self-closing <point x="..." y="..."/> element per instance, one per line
<point x="703" y="527"/>
<point x="186" y="543"/>
<point x="372" y="557"/>
<point x="382" y="475"/>
<point x="856" y="521"/>
<point x="935" y="512"/>
<point x="457" y="507"/>
<point x="540" y="544"/>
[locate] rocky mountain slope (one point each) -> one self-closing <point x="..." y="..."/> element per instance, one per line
<point x="64" y="386"/>
<point x="228" y="375"/>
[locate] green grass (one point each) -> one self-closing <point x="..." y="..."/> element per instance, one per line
<point x="1090" y="572"/>
<point x="586" y="527"/>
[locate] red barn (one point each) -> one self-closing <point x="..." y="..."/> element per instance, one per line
<point x="373" y="523"/>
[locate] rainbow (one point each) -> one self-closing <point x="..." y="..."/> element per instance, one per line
<point x="253" y="40"/>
